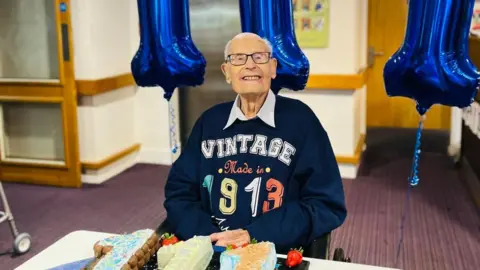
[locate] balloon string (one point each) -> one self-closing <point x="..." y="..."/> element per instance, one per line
<point x="173" y="134"/>
<point x="413" y="181"/>
<point x="402" y="226"/>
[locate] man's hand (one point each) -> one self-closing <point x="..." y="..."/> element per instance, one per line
<point x="235" y="237"/>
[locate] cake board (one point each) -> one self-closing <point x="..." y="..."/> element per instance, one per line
<point x="215" y="263"/>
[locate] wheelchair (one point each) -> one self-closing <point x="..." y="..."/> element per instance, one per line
<point x="318" y="249"/>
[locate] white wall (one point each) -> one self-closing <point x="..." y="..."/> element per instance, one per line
<point x="342" y="56"/>
<point x="105" y="38"/>
<point x="342" y="113"/>
<point x="152" y="116"/>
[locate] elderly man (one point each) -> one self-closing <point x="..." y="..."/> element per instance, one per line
<point x="260" y="167"/>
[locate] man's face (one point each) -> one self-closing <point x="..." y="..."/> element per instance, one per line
<point x="249" y="67"/>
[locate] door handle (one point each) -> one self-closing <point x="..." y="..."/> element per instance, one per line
<point x="371" y="56"/>
<point x="65" y="42"/>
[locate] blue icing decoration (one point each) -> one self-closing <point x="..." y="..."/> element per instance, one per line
<point x="229" y="261"/>
<point x="124" y="247"/>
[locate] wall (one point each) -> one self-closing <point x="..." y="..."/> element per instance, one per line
<point x="152" y="115"/>
<point x="105" y="38"/>
<point x="347" y="40"/>
<point x="456" y="114"/>
<point x="342" y="112"/>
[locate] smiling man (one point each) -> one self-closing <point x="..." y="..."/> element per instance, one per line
<point x="259" y="167"/>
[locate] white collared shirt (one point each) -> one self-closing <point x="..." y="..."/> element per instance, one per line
<point x="266" y="113"/>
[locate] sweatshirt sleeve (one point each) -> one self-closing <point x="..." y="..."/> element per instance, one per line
<point x="182" y="191"/>
<point x="321" y="206"/>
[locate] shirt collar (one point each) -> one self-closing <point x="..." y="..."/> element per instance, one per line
<point x="266" y="113"/>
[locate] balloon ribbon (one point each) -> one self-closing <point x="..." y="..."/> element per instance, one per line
<point x="173" y="133"/>
<point x="413" y="181"/>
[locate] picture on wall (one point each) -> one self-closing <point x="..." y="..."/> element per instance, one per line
<point x="475" y="27"/>
<point x="311" y="19"/>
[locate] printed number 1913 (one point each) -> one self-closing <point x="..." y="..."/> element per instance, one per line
<point x="229" y="189"/>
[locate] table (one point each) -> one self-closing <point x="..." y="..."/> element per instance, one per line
<point x="78" y="245"/>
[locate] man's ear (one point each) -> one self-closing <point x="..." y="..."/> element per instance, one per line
<point x="273" y="66"/>
<point x="226" y="72"/>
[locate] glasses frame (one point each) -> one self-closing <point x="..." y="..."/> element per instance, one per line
<point x="229" y="58"/>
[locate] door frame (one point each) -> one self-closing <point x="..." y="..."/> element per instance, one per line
<point x="62" y="92"/>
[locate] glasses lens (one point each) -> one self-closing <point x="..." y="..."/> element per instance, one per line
<point x="238" y="59"/>
<point x="241" y="59"/>
<point x="260" y="58"/>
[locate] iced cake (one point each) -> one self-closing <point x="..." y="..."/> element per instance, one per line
<point x="125" y="252"/>
<point x="193" y="254"/>
<point x="260" y="256"/>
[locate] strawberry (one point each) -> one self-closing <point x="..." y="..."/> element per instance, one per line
<point x="229" y="247"/>
<point x="168" y="239"/>
<point x="294" y="257"/>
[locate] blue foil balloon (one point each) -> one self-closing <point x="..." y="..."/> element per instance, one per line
<point x="462" y="40"/>
<point x="142" y="63"/>
<point x="167" y="56"/>
<point x="273" y="20"/>
<point x="414" y="71"/>
<point x="432" y="66"/>
<point x="174" y="46"/>
<point x="462" y="79"/>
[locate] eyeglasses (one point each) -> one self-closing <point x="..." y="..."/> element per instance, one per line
<point x="240" y="59"/>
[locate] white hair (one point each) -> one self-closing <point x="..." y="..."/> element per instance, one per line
<point x="241" y="35"/>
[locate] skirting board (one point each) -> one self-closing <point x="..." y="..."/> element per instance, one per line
<point x="109" y="171"/>
<point x="348" y="171"/>
<point x="145" y="155"/>
<point x="155" y="156"/>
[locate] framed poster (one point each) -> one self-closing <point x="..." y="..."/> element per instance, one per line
<point x="311" y="20"/>
<point x="475" y="26"/>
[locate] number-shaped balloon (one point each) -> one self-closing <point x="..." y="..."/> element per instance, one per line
<point x="171" y="54"/>
<point x="432" y="66"/>
<point x="462" y="80"/>
<point x="462" y="38"/>
<point x="142" y="63"/>
<point x="273" y="20"/>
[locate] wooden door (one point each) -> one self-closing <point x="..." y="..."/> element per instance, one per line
<point x="38" y="118"/>
<point x="386" y="32"/>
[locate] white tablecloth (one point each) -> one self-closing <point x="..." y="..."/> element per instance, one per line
<point x="78" y="245"/>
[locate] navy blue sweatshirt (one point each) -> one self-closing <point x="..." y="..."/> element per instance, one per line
<point x="281" y="184"/>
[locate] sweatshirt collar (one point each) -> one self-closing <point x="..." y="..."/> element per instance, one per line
<point x="266" y="113"/>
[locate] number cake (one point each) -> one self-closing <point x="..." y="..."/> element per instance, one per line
<point x="197" y="252"/>
<point x="125" y="252"/>
<point x="193" y="254"/>
<point x="261" y="256"/>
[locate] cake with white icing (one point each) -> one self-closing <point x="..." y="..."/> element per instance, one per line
<point x="166" y="253"/>
<point x="125" y="252"/>
<point x="260" y="256"/>
<point x="193" y="254"/>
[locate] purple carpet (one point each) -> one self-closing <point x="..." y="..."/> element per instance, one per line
<point x="442" y="229"/>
